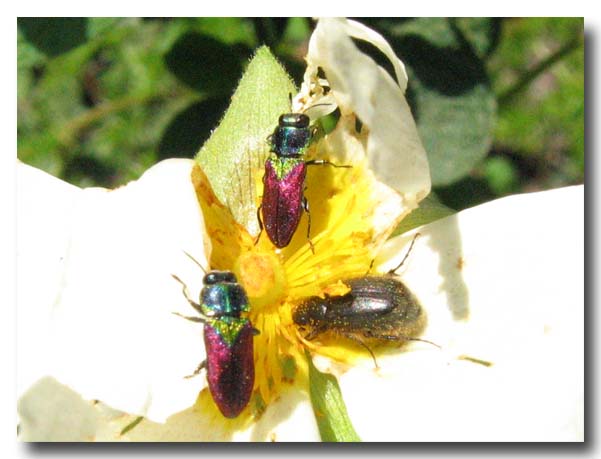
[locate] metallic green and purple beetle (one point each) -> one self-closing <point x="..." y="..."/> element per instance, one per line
<point x="228" y="340"/>
<point x="284" y="180"/>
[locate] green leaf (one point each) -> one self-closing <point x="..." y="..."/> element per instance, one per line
<point x="270" y="30"/>
<point x="204" y="63"/>
<point x="329" y="408"/>
<point x="449" y="91"/>
<point x="95" y="115"/>
<point x="230" y="31"/>
<point x="538" y="71"/>
<point x="233" y="158"/>
<point x="465" y="193"/>
<point x="483" y="34"/>
<point x="430" y="209"/>
<point x="54" y="36"/>
<point x="501" y="175"/>
<point x="190" y="128"/>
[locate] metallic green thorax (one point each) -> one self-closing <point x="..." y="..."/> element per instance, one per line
<point x="223" y="303"/>
<point x="292" y="135"/>
<point x="283" y="166"/>
<point x="228" y="328"/>
<point x="292" y="140"/>
<point x="224" y="299"/>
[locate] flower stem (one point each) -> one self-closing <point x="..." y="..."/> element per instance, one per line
<point x="506" y="96"/>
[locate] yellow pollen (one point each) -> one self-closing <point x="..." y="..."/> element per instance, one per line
<point x="263" y="277"/>
<point x="345" y="204"/>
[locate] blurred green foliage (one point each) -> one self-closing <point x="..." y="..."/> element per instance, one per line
<point x="499" y="103"/>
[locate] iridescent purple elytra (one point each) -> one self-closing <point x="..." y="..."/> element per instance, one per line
<point x="284" y="179"/>
<point x="283" y="198"/>
<point x="228" y="340"/>
<point x="230" y="366"/>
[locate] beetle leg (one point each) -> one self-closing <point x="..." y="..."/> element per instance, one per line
<point x="313" y="333"/>
<point x="190" y="318"/>
<point x="306" y="209"/>
<point x="260" y="223"/>
<point x="185" y="292"/>
<point x="357" y="340"/>
<point x="371" y="265"/>
<point x="202" y="365"/>
<point x="269" y="140"/>
<point x="325" y="162"/>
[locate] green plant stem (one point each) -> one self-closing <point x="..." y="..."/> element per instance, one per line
<point x="507" y="95"/>
<point x="72" y="128"/>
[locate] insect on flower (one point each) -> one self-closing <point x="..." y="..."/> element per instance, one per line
<point x="228" y="339"/>
<point x="284" y="180"/>
<point x="376" y="307"/>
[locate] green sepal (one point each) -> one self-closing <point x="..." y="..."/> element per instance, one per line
<point x="328" y="406"/>
<point x="430" y="209"/>
<point x="236" y="151"/>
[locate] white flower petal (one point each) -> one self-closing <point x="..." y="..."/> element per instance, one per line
<point x="113" y="335"/>
<point x="360" y="86"/>
<point x="503" y="283"/>
<point x="389" y="206"/>
<point x="289" y="418"/>
<point x="44" y="208"/>
<point x="357" y="30"/>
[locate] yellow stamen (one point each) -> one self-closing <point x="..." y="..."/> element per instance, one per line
<point x="343" y="206"/>
<point x="263" y="277"/>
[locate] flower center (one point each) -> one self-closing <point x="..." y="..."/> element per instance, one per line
<point x="263" y="277"/>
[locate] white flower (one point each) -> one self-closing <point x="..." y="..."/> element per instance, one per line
<point x="501" y="285"/>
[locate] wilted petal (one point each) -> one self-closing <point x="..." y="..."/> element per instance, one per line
<point x="502" y="283"/>
<point x="360" y="86"/>
<point x="50" y="411"/>
<point x="113" y="336"/>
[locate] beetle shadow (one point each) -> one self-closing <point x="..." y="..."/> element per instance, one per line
<point x="449" y="248"/>
<point x="445" y="241"/>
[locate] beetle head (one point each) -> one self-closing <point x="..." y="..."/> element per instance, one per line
<point x="218" y="277"/>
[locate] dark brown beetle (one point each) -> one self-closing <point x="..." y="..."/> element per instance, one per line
<point x="375" y="307"/>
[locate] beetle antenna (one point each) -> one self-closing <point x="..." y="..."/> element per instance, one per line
<point x="393" y="271"/>
<point x="196" y="261"/>
<point x="422" y="340"/>
<point x="371" y="265"/>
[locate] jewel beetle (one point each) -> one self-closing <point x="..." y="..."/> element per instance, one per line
<point x="228" y="338"/>
<point x="284" y="180"/>
<point x="378" y="307"/>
